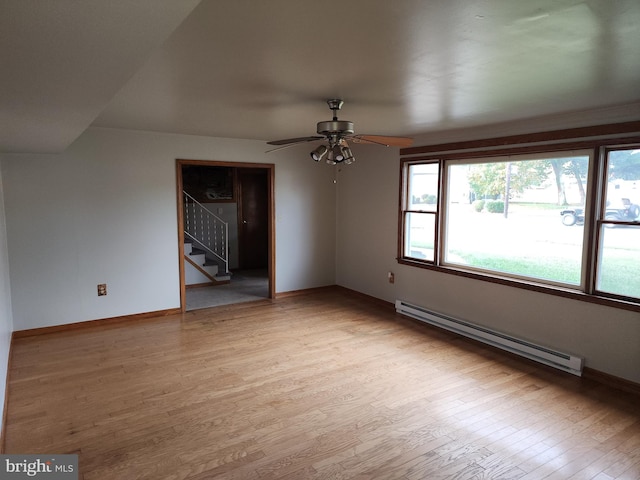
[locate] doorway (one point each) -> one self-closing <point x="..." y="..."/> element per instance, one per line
<point x="253" y="229"/>
<point x="246" y="193"/>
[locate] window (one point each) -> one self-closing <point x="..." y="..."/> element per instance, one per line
<point x="619" y="235"/>
<point x="505" y="216"/>
<point x="564" y="220"/>
<point x="421" y="209"/>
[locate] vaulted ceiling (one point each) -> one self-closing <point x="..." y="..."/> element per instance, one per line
<point x="263" y="69"/>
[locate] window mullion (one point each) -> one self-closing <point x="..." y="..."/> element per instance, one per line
<point x="595" y="181"/>
<point x="443" y="194"/>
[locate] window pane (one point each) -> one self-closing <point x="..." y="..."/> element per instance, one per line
<point x="619" y="252"/>
<point x="623" y="186"/>
<point x="423" y="187"/>
<point x="509" y="217"/>
<point x="619" y="261"/>
<point x="419" y="236"/>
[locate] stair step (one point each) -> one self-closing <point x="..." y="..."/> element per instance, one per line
<point x="211" y="269"/>
<point x="199" y="257"/>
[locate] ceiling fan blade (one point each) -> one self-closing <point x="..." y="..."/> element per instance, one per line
<point x="383" y="140"/>
<point x="287" y="141"/>
<point x="287" y="145"/>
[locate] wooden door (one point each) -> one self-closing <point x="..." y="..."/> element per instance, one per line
<point x="253" y="214"/>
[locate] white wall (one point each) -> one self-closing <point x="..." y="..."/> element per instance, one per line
<point x="367" y="220"/>
<point x="6" y="322"/>
<point x="104" y="211"/>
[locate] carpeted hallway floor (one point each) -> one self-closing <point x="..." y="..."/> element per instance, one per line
<point x="245" y="286"/>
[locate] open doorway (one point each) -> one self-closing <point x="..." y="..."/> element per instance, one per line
<point x="238" y="264"/>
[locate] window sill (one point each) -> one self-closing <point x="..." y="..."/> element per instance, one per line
<point x="532" y="286"/>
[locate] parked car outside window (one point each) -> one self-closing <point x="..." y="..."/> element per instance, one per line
<point x="622" y="210"/>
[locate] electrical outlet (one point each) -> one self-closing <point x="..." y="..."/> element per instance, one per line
<point x="102" y="289"/>
<point x="391" y="277"/>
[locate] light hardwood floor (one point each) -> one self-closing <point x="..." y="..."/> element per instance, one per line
<point x="327" y="385"/>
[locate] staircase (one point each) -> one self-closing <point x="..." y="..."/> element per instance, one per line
<point x="206" y="266"/>
<point x="206" y="241"/>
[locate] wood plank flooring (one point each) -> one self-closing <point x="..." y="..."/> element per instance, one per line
<point x="327" y="385"/>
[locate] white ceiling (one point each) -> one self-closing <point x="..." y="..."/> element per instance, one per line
<point x="62" y="61"/>
<point x="263" y="69"/>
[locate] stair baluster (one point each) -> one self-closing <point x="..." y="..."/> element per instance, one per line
<point x="199" y="223"/>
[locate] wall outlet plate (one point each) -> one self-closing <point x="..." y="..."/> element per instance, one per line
<point x="102" y="289"/>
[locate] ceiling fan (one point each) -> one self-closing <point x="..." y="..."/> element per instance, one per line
<point x="337" y="132"/>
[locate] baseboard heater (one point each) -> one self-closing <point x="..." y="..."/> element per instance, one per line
<point x="563" y="361"/>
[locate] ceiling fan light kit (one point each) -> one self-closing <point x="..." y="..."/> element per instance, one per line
<point x="319" y="153"/>
<point x="347" y="155"/>
<point x="336" y="132"/>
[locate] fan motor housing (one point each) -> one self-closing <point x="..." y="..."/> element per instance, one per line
<point x="342" y="127"/>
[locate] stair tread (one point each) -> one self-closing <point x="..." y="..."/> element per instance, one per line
<point x="208" y="262"/>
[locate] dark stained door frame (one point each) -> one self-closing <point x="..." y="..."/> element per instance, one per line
<point x="269" y="169"/>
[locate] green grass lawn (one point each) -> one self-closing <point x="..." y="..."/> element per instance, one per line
<point x="618" y="274"/>
<point x="555" y="259"/>
<point x="556" y="269"/>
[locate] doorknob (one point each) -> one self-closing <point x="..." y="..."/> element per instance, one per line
<point x="244" y="221"/>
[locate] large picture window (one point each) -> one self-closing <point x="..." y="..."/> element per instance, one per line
<point x="565" y="220"/>
<point x="505" y="216"/>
